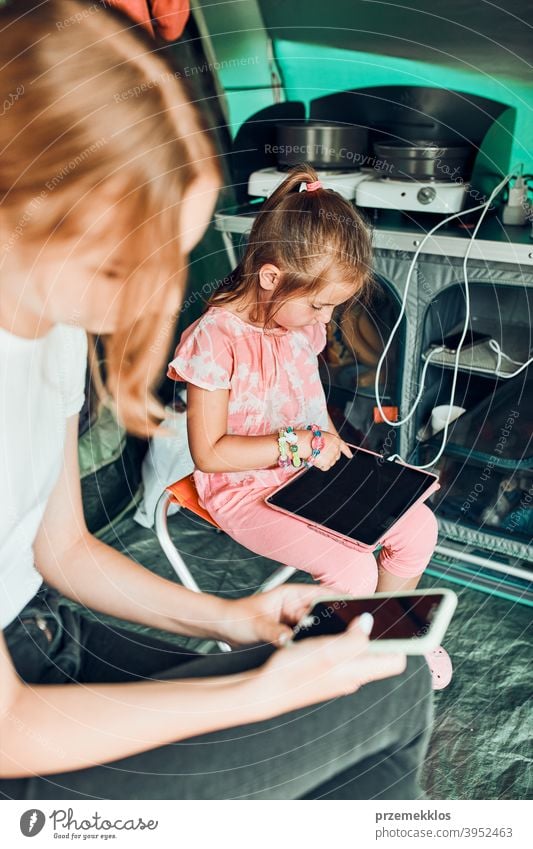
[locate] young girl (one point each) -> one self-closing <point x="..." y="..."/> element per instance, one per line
<point x="252" y="369"/>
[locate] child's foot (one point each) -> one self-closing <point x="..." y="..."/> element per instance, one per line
<point x="440" y="667"/>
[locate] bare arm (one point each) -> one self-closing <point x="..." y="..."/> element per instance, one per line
<point x="214" y="450"/>
<point x="94" y="574"/>
<point x="52" y="728"/>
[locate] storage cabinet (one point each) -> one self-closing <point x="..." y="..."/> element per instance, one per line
<point x="500" y="274"/>
<point x="486" y="499"/>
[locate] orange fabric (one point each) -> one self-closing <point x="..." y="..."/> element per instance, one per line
<point x="184" y="493"/>
<point x="168" y="16"/>
<point x="390" y="412"/>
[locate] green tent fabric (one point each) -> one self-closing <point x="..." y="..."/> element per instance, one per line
<point x="110" y="470"/>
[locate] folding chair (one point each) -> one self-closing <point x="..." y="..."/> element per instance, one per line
<point x="183" y="494"/>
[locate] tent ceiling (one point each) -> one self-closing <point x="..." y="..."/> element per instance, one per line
<point x="474" y="35"/>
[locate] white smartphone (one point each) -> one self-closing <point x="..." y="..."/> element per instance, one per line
<point x="412" y="622"/>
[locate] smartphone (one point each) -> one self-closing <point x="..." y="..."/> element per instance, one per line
<point x="472" y="338"/>
<point x="411" y="622"/>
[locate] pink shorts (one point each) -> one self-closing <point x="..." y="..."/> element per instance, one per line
<point x="406" y="549"/>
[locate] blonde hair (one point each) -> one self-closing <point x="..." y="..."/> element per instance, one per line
<point x="307" y="235"/>
<point x="101" y="119"/>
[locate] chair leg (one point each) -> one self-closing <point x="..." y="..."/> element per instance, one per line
<point x="174" y="557"/>
<point x="280" y="576"/>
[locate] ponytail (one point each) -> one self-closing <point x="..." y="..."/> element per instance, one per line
<point x="291" y="185"/>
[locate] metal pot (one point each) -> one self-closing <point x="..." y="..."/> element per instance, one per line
<point x="423" y="160"/>
<point x="323" y="145"/>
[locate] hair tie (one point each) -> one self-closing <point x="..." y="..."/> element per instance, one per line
<point x="312" y="187"/>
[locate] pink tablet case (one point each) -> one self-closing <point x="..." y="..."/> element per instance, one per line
<point x="346" y="540"/>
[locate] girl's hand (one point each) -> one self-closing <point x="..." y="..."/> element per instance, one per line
<point x="333" y="448"/>
<point x="321" y="668"/>
<point x="269" y="617"/>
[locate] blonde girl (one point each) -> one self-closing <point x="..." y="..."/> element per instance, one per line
<point x="252" y="369"/>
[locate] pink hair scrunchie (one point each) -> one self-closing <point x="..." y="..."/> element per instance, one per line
<point x="312" y="187"/>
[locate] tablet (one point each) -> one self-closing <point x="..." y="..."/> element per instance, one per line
<point x="359" y="499"/>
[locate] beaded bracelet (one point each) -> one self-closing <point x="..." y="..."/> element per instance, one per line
<point x="317" y="444"/>
<point x="283" y="459"/>
<point x="288" y="448"/>
<point x="289" y="451"/>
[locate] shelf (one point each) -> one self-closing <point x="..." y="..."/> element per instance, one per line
<point x="456" y="571"/>
<point x="393" y="231"/>
<point x="496" y="431"/>
<point x="467" y="535"/>
<point x="481" y="359"/>
<point x="494" y="243"/>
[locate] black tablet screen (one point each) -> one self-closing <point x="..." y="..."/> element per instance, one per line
<point x="360" y="498"/>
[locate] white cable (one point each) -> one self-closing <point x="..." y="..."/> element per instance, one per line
<point x="502" y="355"/>
<point x="484" y="207"/>
<point x="427" y="363"/>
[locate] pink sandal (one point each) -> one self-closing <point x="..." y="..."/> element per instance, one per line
<point x="440" y="667"/>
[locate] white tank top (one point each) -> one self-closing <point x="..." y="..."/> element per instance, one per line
<point x="41" y="384"/>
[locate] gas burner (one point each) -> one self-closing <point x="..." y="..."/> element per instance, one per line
<point x="263" y="182"/>
<point x="411" y="195"/>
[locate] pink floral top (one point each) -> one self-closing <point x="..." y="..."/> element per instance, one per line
<point x="273" y="381"/>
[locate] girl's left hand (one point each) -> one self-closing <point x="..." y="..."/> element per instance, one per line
<point x="334" y="446"/>
<point x="268" y="617"/>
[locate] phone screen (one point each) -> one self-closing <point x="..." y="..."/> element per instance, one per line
<point x="395" y="618"/>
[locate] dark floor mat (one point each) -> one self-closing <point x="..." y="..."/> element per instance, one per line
<point x="481" y="745"/>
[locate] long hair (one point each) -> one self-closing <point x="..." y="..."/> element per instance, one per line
<point x="313" y="237"/>
<point x="97" y="120"/>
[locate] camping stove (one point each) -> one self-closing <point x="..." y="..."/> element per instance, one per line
<point x="367" y="190"/>
<point x="411" y="195"/>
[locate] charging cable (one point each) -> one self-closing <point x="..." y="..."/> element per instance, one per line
<point x="484" y="207"/>
<point x="503" y="356"/>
